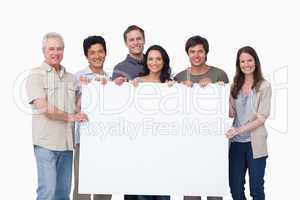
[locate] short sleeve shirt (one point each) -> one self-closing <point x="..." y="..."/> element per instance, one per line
<point x="214" y="74"/>
<point x="59" y="90"/>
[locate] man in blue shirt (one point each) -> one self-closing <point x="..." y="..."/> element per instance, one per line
<point x="132" y="66"/>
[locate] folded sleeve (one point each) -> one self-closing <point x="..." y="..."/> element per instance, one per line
<point x="264" y="105"/>
<point x="35" y="86"/>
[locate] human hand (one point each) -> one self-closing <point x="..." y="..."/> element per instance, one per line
<point x="79" y="117"/>
<point x="204" y="82"/>
<point x="231" y="132"/>
<point x="102" y="79"/>
<point x="120" y="80"/>
<point x="135" y="82"/>
<point x="170" y="83"/>
<point x="188" y="83"/>
<point x="84" y="80"/>
<point x="221" y="83"/>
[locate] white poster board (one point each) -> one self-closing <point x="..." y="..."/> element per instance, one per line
<point x="154" y="139"/>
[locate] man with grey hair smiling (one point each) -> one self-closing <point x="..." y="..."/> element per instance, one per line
<point x="51" y="92"/>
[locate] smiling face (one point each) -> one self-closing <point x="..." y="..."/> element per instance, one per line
<point x="135" y="42"/>
<point x="96" y="56"/>
<point x="247" y="63"/>
<point x="155" y="61"/>
<point x="53" y="52"/>
<point x="197" y="55"/>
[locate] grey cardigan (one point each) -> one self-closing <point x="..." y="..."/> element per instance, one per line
<point x="262" y="107"/>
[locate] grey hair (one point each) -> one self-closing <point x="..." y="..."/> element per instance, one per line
<point x="52" y="35"/>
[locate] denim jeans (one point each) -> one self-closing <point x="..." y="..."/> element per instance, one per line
<point x="54" y="173"/>
<point x="241" y="160"/>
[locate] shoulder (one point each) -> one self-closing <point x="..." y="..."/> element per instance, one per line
<point x="218" y="70"/>
<point x="265" y="85"/>
<point x="37" y="74"/>
<point x="39" y="69"/>
<point x="80" y="73"/>
<point x="183" y="72"/>
<point x="70" y="77"/>
<point x="221" y="74"/>
<point x="181" y="76"/>
<point x="121" y="64"/>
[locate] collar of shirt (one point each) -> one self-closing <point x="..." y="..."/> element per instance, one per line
<point x="88" y="71"/>
<point x="48" y="68"/>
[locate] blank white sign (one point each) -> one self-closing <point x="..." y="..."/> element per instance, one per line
<point x="154" y="139"/>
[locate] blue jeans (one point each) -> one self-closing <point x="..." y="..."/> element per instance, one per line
<point x="54" y="173"/>
<point x="241" y="160"/>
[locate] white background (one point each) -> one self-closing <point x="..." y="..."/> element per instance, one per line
<point x="271" y="27"/>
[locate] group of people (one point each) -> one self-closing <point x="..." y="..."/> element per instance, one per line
<point x="55" y="95"/>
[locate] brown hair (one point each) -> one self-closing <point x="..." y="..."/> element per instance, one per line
<point x="132" y="28"/>
<point x="239" y="77"/>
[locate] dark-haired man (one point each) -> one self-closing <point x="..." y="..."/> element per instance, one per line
<point x="197" y="49"/>
<point x="199" y="72"/>
<point x="95" y="52"/>
<point x="132" y="66"/>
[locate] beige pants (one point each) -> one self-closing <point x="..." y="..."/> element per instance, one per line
<point x="76" y="195"/>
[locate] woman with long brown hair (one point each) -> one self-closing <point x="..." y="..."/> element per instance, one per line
<point x="250" y="102"/>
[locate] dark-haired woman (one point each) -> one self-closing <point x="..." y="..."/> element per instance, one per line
<point x="250" y="102"/>
<point x="156" y="66"/>
<point x="156" y="70"/>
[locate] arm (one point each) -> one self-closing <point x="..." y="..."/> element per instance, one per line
<point x="263" y="110"/>
<point x="53" y="113"/>
<point x="135" y="82"/>
<point x="117" y="76"/>
<point x="262" y="114"/>
<point x="37" y="97"/>
<point x="114" y="74"/>
<point x="120" y="80"/>
<point x="78" y="104"/>
<point x="182" y="79"/>
<point x="260" y="120"/>
<point x="246" y="127"/>
<point x="224" y="77"/>
<point x="232" y="111"/>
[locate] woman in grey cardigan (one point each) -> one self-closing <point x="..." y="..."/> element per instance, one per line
<point x="250" y="102"/>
